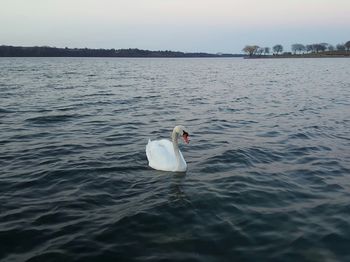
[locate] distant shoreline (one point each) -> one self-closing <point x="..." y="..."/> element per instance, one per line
<point x="327" y="54"/>
<point x="46" y="51"/>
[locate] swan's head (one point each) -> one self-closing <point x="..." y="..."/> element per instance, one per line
<point x="182" y="131"/>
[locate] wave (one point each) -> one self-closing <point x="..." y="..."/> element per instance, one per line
<point x="51" y="119"/>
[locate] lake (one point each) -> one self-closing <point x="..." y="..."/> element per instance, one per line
<point x="268" y="174"/>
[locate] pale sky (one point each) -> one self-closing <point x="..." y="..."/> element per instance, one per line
<point x="178" y="25"/>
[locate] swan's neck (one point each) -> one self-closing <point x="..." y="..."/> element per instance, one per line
<point x="175" y="138"/>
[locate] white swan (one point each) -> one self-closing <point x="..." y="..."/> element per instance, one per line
<point x="165" y="155"/>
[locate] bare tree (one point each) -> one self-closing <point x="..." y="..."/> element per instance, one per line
<point x="278" y="49"/>
<point x="266" y="50"/>
<point x="298" y="48"/>
<point x="309" y="48"/>
<point x="340" y="47"/>
<point x="260" y="50"/>
<point x="250" y="49"/>
<point x="325" y="46"/>
<point x="347" y="45"/>
<point x="294" y="48"/>
<point x="318" y="48"/>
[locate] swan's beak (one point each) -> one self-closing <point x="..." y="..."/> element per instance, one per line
<point x="186" y="138"/>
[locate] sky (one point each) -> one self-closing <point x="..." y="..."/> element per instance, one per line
<point x="179" y="25"/>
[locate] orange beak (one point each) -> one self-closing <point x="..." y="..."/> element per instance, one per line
<point x="186" y="138"/>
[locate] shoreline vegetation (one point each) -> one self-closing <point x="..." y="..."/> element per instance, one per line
<point x="47" y="51"/>
<point x="328" y="54"/>
<point x="320" y="50"/>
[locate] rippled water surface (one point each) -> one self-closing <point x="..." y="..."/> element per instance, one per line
<point x="268" y="164"/>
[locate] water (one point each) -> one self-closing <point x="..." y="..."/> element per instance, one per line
<point x="268" y="164"/>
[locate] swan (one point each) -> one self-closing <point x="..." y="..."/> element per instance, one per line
<point x="165" y="155"/>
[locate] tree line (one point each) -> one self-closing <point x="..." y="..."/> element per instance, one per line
<point x="255" y="50"/>
<point x="46" y="51"/>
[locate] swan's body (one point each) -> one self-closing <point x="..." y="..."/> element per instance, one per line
<point x="165" y="155"/>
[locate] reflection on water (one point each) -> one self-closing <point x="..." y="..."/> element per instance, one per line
<point x="177" y="194"/>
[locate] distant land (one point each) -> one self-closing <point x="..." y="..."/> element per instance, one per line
<point x="315" y="50"/>
<point x="325" y="54"/>
<point x="46" y="51"/>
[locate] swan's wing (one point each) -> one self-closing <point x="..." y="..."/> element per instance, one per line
<point x="160" y="155"/>
<point x="182" y="164"/>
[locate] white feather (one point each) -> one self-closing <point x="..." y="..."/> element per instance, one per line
<point x="161" y="155"/>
